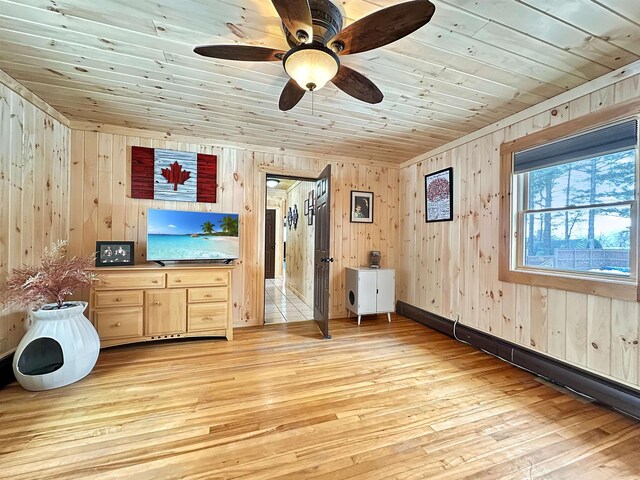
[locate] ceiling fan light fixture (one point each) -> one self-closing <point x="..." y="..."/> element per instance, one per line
<point x="311" y="65"/>
<point x="272" y="182"/>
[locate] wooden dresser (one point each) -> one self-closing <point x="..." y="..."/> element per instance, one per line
<point x="149" y="302"/>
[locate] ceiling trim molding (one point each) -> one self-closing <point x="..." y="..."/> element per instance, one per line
<point x="311" y="175"/>
<point x="138" y="132"/>
<point x="577" y="92"/>
<point x="15" y="86"/>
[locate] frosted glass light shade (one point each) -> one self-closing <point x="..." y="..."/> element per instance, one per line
<point x="272" y="182"/>
<point x="311" y="66"/>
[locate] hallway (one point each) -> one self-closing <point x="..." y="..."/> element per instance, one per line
<point x="282" y="305"/>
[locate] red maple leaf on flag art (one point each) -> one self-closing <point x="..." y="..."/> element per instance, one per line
<point x="160" y="174"/>
<point x="175" y="175"/>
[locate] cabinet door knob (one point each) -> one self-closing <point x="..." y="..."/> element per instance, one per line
<point x="118" y="299"/>
<point x="207" y="296"/>
<point x="157" y="303"/>
<point x="154" y="281"/>
<point x="177" y="280"/>
<point x="118" y="324"/>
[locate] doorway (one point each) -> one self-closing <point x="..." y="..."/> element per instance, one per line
<point x="289" y="250"/>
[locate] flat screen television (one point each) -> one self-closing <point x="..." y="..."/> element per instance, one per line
<point x="174" y="235"/>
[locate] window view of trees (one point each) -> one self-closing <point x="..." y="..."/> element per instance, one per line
<point x="578" y="215"/>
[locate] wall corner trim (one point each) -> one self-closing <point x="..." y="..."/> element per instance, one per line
<point x="604" y="390"/>
<point x="29" y="96"/>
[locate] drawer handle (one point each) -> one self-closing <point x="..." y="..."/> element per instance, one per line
<point x="157" y="303"/>
<point x="154" y="281"/>
<point x="208" y="296"/>
<point x="207" y="319"/>
<point x="118" y="324"/>
<point x="177" y="280"/>
<point x="118" y="299"/>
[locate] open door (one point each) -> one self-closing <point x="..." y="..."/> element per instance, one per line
<point x="270" y="244"/>
<point x="322" y="256"/>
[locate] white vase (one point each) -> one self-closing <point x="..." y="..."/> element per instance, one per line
<point x="60" y="348"/>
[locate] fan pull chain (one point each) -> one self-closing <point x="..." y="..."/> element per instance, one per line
<point x="312" y="102"/>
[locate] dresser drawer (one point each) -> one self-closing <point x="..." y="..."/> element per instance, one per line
<point x="213" y="294"/>
<point x="197" y="279"/>
<point x="120" y="323"/>
<point x="205" y="316"/>
<point x="124" y="298"/>
<point x="131" y="280"/>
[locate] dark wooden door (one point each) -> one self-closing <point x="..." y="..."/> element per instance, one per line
<point x="270" y="244"/>
<point x="322" y="255"/>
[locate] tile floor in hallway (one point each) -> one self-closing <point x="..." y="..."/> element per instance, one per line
<point x="282" y="305"/>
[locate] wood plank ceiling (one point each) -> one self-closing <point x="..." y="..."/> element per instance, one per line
<point x="130" y="63"/>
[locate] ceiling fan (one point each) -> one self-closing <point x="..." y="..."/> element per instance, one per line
<point x="314" y="31"/>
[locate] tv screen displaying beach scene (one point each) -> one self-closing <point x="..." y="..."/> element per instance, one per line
<point x="180" y="235"/>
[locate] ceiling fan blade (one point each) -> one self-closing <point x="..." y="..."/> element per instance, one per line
<point x="291" y="95"/>
<point x="240" y="52"/>
<point x="384" y="26"/>
<point x="296" y="16"/>
<point x="357" y="85"/>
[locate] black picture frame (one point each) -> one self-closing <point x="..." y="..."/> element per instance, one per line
<point x="438" y="202"/>
<point x="114" y="254"/>
<point x="361" y="207"/>
<point x="289" y="218"/>
<point x="295" y="216"/>
<point x="311" y="210"/>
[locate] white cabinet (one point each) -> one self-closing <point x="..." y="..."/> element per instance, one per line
<point x="370" y="291"/>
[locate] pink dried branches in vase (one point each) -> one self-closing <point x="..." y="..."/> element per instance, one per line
<point x="54" y="279"/>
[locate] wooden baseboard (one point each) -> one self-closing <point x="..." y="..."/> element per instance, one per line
<point x="601" y="389"/>
<point x="6" y="371"/>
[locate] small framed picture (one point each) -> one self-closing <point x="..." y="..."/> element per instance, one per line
<point x="114" y="254"/>
<point x="361" y="207"/>
<point x="438" y="196"/>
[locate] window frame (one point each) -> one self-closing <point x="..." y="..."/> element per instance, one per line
<point x="511" y="247"/>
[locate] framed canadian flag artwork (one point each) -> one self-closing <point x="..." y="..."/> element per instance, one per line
<point x="159" y="174"/>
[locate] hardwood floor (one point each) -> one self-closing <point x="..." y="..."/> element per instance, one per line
<point x="378" y="401"/>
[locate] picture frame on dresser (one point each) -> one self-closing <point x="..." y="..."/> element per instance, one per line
<point x="114" y="253"/>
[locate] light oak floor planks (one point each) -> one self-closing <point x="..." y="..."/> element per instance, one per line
<point x="378" y="401"/>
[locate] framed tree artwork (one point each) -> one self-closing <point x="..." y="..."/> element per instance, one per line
<point x="438" y="195"/>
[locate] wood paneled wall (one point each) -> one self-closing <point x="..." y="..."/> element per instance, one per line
<point x="103" y="210"/>
<point x="451" y="268"/>
<point x="300" y="245"/>
<point x="34" y="186"/>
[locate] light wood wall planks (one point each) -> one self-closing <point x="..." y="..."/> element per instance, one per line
<point x="300" y="243"/>
<point x="451" y="268"/>
<point x="103" y="210"/>
<point x="34" y="194"/>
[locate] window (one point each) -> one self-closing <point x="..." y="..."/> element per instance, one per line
<point x="570" y="220"/>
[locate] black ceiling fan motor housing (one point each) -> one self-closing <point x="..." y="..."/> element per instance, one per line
<point x="327" y="22"/>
